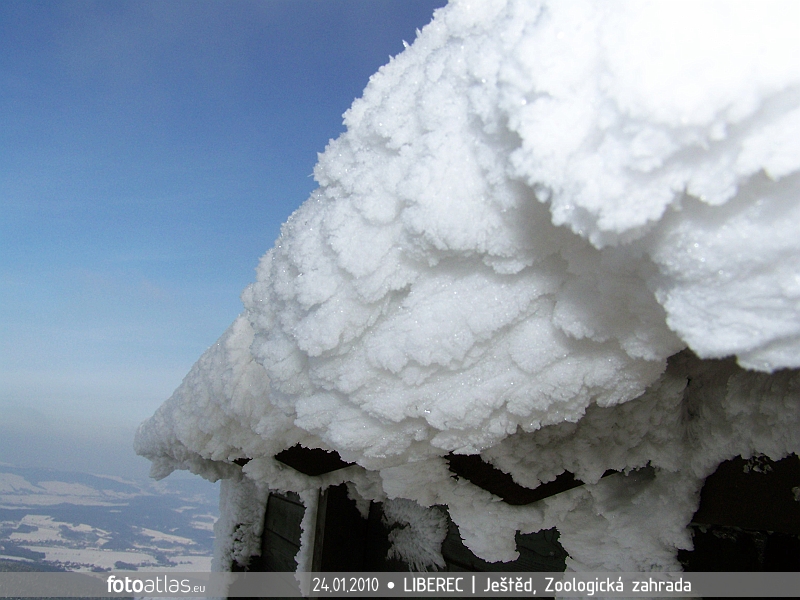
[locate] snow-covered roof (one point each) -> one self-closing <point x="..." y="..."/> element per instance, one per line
<point x="533" y="207"/>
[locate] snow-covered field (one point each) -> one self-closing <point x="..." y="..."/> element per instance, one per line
<point x="82" y="522"/>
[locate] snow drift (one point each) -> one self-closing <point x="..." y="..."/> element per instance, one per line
<point x="533" y="208"/>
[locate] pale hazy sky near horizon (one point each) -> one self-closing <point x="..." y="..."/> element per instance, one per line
<point x="150" y="151"/>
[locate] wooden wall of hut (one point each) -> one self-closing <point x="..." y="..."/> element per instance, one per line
<point x="345" y="541"/>
<point x="748" y="520"/>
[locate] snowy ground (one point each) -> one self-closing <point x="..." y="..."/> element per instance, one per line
<point x="82" y="522"/>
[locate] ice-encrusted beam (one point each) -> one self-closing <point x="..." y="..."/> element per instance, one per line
<point x="495" y="481"/>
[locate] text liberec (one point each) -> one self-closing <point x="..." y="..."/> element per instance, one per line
<point x="434" y="584"/>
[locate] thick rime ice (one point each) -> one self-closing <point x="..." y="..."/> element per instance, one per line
<point x="237" y="532"/>
<point x="418" y="538"/>
<point x="533" y="207"/>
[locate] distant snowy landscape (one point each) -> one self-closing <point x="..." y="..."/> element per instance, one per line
<point x="80" y="522"/>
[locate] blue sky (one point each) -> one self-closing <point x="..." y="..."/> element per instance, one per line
<point x="149" y="151"/>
